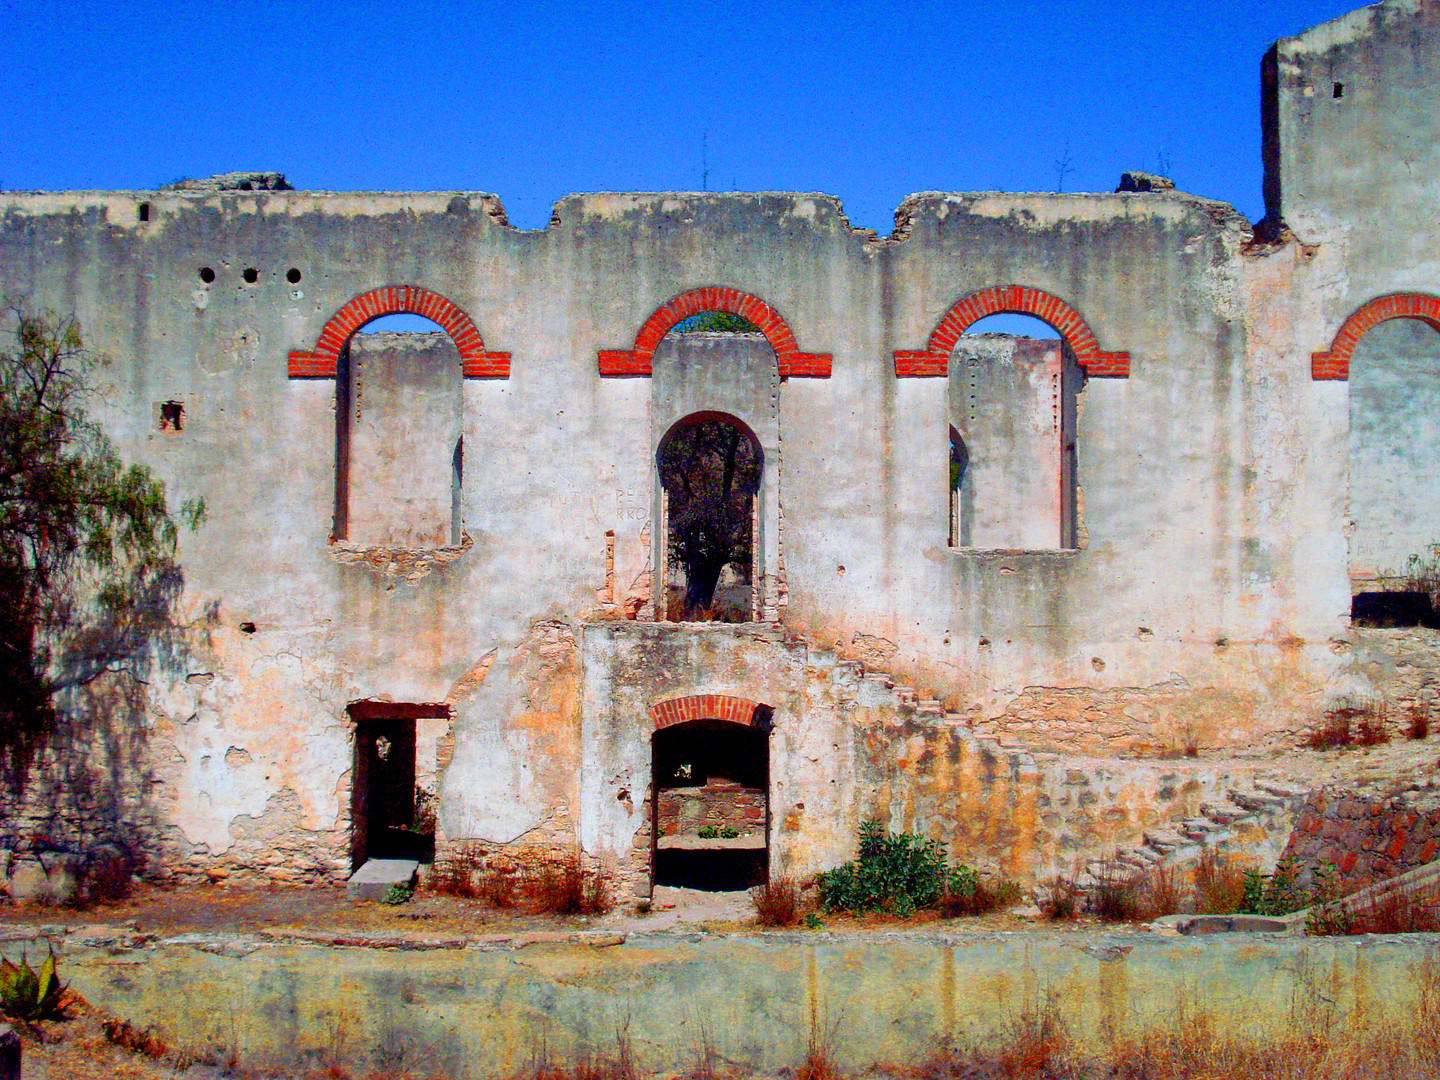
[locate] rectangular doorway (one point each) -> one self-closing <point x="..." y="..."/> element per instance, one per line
<point x="383" y="821"/>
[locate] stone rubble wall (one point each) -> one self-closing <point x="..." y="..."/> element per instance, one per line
<point x="1365" y="838"/>
<point x="686" y="810"/>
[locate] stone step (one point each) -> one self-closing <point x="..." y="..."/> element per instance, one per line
<point x="1226" y="815"/>
<point x="879" y="677"/>
<point x="377" y="877"/>
<point x="1200" y="829"/>
<point x="1165" y="841"/>
<point x="1254" y="801"/>
<point x="1288" y="792"/>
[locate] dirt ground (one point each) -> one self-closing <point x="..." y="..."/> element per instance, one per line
<point x="78" y="1049"/>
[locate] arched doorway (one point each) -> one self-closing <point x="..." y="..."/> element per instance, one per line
<point x="710" y="466"/>
<point x="710" y="787"/>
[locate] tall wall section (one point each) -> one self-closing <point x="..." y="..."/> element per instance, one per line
<point x="1202" y="593"/>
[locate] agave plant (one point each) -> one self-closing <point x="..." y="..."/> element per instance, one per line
<point x="26" y="996"/>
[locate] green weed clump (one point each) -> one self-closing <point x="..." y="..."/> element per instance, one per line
<point x="902" y="873"/>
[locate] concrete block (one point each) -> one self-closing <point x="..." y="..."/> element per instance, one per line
<point x="376" y="878"/>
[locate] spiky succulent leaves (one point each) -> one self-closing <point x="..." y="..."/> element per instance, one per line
<point x="49" y="990"/>
<point x="25" y="995"/>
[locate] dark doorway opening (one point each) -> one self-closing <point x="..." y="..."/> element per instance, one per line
<point x="383" y="819"/>
<point x="710" y="824"/>
<point x="1394" y="608"/>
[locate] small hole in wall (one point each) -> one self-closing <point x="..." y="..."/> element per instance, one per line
<point x="293" y="276"/>
<point x="247" y="627"/>
<point x="207" y="275"/>
<point x="251" y="275"/>
<point x="143" y="210"/>
<point x="172" y="417"/>
<point x="1339" y="91"/>
<point x="840" y="570"/>
<point x="1097" y="663"/>
<point x="622" y="796"/>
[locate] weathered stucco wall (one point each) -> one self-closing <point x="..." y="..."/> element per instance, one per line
<point x="1205" y="596"/>
<point x="482" y="1007"/>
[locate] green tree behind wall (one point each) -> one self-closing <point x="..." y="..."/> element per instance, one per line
<point x="86" y="541"/>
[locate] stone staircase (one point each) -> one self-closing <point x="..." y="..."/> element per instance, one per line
<point x="853" y="679"/>
<point x="1255" y="820"/>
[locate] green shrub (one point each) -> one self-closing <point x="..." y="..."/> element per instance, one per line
<point x="1281" y="893"/>
<point x="398" y="894"/>
<point x="898" y="874"/>
<point x="27" y="996"/>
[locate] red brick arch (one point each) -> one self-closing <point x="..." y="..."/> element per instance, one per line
<point x="934" y="361"/>
<point x="321" y="361"/>
<point x="681" y="710"/>
<point x="637" y="359"/>
<point x="1335" y="363"/>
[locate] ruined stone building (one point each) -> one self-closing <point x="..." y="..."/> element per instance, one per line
<point x="432" y="593"/>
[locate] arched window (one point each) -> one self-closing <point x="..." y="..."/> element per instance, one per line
<point x="398" y="451"/>
<point x="1012" y="388"/>
<point x="710" y="467"/>
<point x="400" y="396"/>
<point x="1394" y="474"/>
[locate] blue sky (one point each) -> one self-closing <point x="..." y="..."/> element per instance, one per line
<point x="866" y="103"/>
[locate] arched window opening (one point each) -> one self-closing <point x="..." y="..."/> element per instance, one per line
<point x="398" y="437"/>
<point x="710" y="470"/>
<point x="1012" y="436"/>
<point x="711" y="822"/>
<point x="1394" y="472"/>
<point x="961" y="506"/>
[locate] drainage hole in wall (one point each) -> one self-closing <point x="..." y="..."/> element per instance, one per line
<point x="251" y="275"/>
<point x="247" y="627"/>
<point x="293" y="276"/>
<point x="207" y="275"/>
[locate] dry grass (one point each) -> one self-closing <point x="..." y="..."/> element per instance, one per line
<point x="1350" y="725"/>
<point x="777" y="902"/>
<point x="1125" y="894"/>
<point x="565" y="888"/>
<point x="464" y="871"/>
<point x="1219" y="885"/>
<point x="986" y="897"/>
<point x="1059" y="901"/>
<point x="1419" y="725"/>
<point x="1401" y="911"/>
